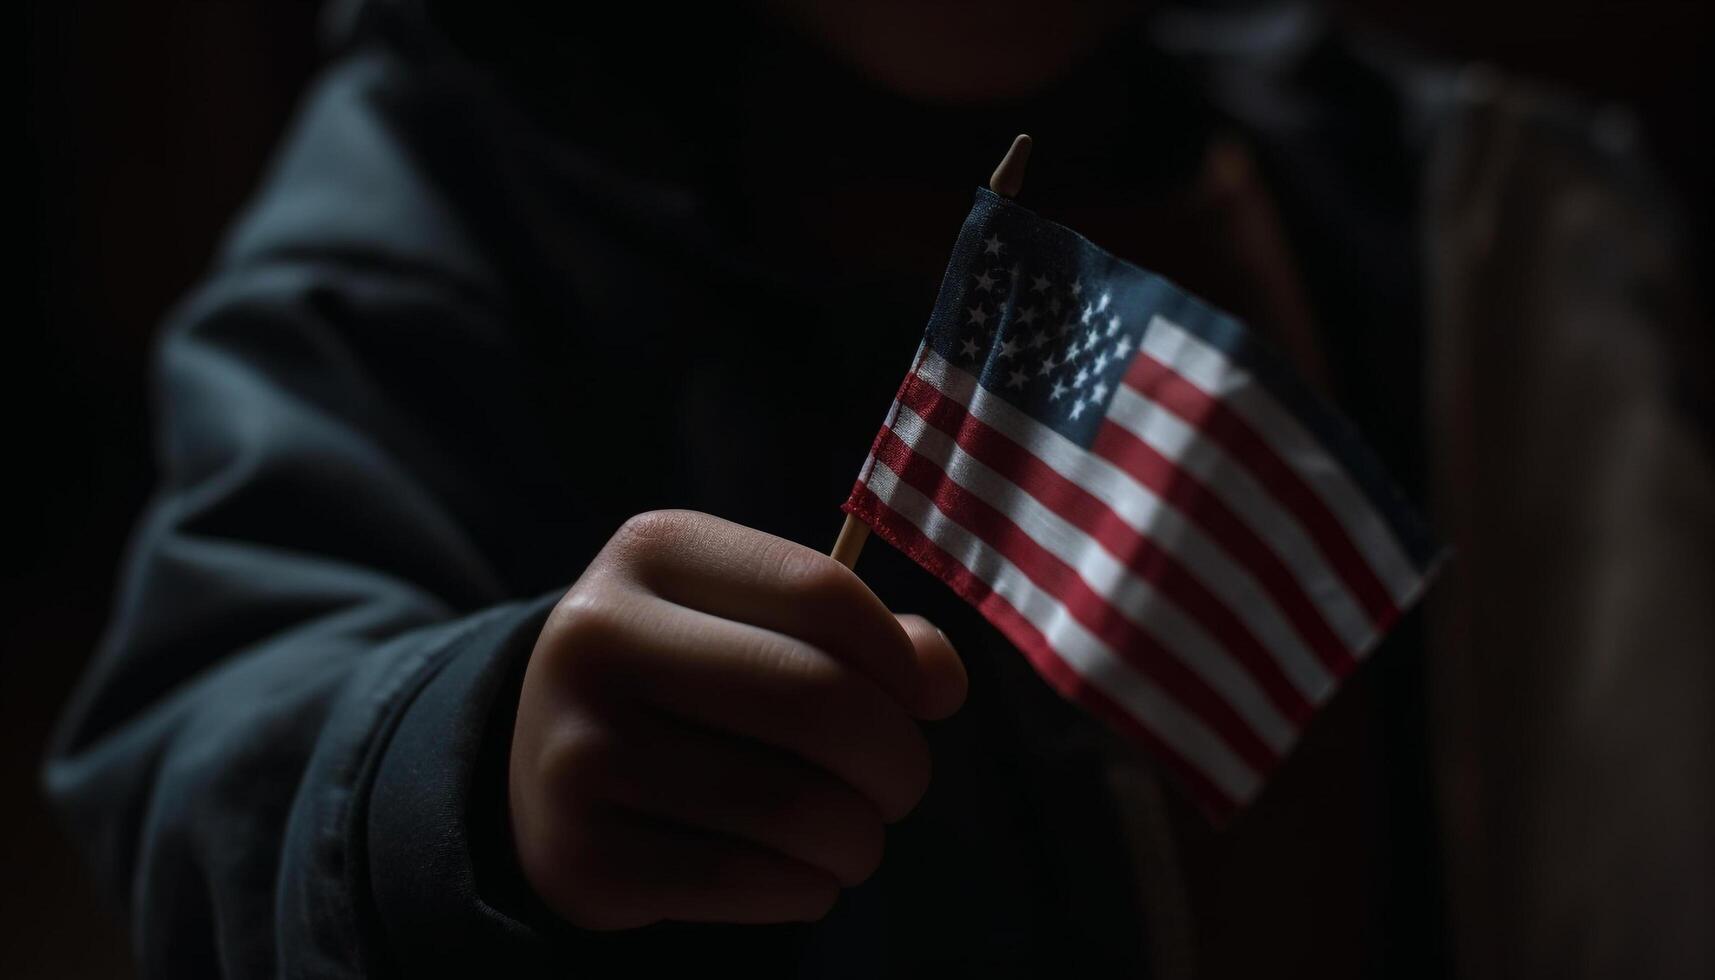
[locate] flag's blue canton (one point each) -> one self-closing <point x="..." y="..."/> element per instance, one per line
<point x="1047" y="320"/>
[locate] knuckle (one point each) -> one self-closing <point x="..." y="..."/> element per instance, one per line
<point x="582" y="765"/>
<point x="826" y="702"/>
<point x="590" y="633"/>
<point x="652" y="531"/>
<point x="811" y="696"/>
<point x="649" y="526"/>
<point x="804" y="670"/>
<point x="817" y="579"/>
<point x="582" y="614"/>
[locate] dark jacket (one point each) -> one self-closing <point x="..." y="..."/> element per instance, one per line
<point x="490" y="302"/>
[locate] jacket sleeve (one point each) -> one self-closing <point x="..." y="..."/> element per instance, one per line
<point x="288" y="757"/>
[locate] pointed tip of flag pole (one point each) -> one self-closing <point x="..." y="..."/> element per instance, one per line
<point x="1008" y="178"/>
<point x="1007" y="181"/>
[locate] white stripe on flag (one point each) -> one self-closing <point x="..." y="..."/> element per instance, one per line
<point x="1135" y="598"/>
<point x="1153" y="708"/>
<point x="1203" y="458"/>
<point x="1212" y="371"/>
<point x="1142" y="511"/>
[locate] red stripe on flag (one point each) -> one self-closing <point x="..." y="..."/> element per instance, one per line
<point x="1190" y="497"/>
<point x="905" y="536"/>
<point x="1060" y="580"/>
<point x="1210" y="416"/>
<point x="1089" y="514"/>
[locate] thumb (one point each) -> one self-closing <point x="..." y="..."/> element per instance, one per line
<point x="942" y="682"/>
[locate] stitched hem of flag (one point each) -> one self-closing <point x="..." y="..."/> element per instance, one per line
<point x="1232" y="338"/>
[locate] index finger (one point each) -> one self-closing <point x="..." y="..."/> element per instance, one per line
<point x="740" y="573"/>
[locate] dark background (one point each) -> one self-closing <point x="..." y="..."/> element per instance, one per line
<point x="146" y="125"/>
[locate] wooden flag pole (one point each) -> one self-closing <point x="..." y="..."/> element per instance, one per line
<point x="847" y="547"/>
<point x="1007" y="180"/>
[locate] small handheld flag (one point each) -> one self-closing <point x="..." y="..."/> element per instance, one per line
<point x="1180" y="536"/>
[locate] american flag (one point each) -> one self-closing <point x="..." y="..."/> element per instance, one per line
<point x="1180" y="536"/>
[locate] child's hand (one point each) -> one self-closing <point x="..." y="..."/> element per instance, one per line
<point x="714" y="726"/>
